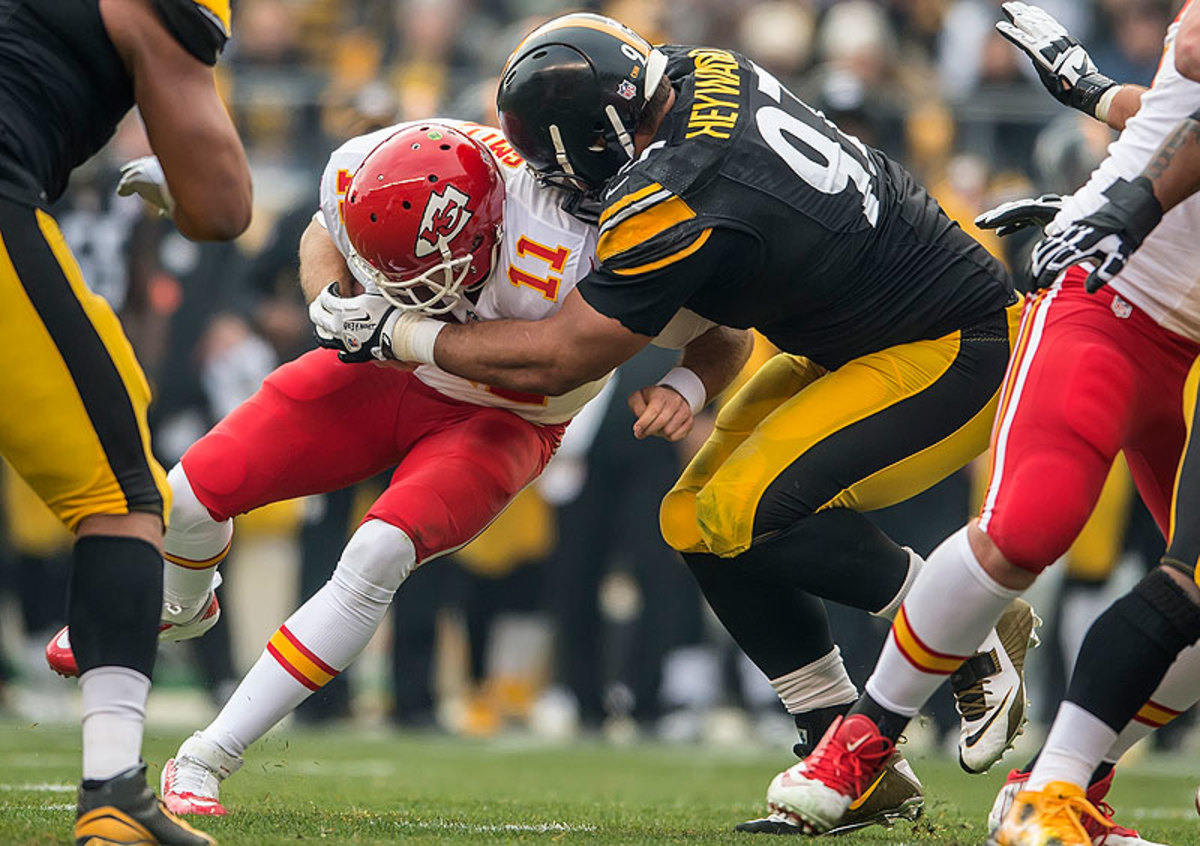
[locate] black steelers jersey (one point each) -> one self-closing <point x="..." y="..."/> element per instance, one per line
<point x="64" y="88"/>
<point x="753" y="210"/>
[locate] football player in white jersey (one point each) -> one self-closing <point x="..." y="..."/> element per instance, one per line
<point x="1093" y="374"/>
<point x="432" y="217"/>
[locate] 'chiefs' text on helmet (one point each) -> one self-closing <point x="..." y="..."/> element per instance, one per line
<point x="424" y="214"/>
<point x="572" y="94"/>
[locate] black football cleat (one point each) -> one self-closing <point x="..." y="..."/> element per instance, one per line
<point x="123" y="811"/>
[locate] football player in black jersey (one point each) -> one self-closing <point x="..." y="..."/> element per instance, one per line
<point x="73" y="421"/>
<point x="719" y="191"/>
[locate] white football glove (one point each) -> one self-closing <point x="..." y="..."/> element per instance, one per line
<point x="1016" y="215"/>
<point x="358" y="327"/>
<point x="1061" y="61"/>
<point x="367" y="326"/>
<point x="145" y="178"/>
<point x="1106" y="238"/>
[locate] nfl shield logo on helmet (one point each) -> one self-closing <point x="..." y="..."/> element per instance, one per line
<point x="627" y="90"/>
<point x="445" y="216"/>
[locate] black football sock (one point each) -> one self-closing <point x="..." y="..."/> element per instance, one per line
<point x="837" y="554"/>
<point x="891" y="725"/>
<point x="812" y="725"/>
<point x="114" y="603"/>
<point x="779" y="628"/>
<point x="1129" y="648"/>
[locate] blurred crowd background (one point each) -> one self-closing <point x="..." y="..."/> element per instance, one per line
<point x="569" y="614"/>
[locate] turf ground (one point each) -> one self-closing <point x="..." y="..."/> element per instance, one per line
<point x="377" y="787"/>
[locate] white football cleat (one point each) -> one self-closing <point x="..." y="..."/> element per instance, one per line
<point x="171" y="628"/>
<point x="191" y="781"/>
<point x="989" y="689"/>
<point x="186" y="623"/>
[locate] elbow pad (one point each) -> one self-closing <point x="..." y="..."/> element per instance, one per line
<point x="201" y="26"/>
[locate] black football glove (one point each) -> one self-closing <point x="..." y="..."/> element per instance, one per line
<point x="1063" y="64"/>
<point x="1106" y="238"/>
<point x="1016" y="215"/>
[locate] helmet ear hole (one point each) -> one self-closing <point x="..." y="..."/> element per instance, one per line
<point x="374" y="217"/>
<point x="407" y="205"/>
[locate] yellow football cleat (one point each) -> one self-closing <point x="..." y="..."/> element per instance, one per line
<point x="1052" y="816"/>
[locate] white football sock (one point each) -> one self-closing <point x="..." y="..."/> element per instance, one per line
<point x="193" y="546"/>
<point x="821" y="684"/>
<point x="1073" y="749"/>
<point x="1177" y="692"/>
<point x="114" y="716"/>
<point x="320" y="639"/>
<point x="951" y="608"/>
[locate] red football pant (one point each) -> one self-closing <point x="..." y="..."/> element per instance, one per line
<point x="317" y="425"/>
<point x="1090" y="376"/>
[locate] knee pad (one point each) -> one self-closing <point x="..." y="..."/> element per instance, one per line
<point x="375" y="562"/>
<point x="721" y="520"/>
<point x="677" y="521"/>
<point x="193" y="534"/>
<point x="1163" y="610"/>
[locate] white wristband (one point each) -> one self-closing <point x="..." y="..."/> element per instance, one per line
<point x="412" y="337"/>
<point x="1105" y="103"/>
<point x="688" y="385"/>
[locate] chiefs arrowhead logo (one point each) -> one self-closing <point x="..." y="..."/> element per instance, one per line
<point x="445" y="216"/>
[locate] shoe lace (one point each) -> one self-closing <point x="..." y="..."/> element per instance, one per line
<point x="1068" y="817"/>
<point x="1100" y="832"/>
<point x="969" y="685"/>
<point x="195" y="777"/>
<point x="972" y="701"/>
<point x="850" y="771"/>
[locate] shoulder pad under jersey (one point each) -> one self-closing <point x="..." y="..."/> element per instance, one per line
<point x="646" y="226"/>
<point x="201" y="26"/>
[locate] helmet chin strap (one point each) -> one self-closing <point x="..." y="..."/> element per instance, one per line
<point x="619" y="127"/>
<point x="560" y="150"/>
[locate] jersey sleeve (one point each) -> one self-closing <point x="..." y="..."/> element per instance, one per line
<point x="201" y="26"/>
<point x="654" y="254"/>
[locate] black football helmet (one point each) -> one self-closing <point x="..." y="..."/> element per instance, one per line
<point x="572" y="94"/>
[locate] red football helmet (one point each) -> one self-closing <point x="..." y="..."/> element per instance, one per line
<point x="424" y="214"/>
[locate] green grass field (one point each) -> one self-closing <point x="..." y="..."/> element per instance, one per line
<point x="375" y="787"/>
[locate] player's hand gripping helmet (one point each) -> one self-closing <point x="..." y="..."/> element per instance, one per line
<point x="572" y="94"/>
<point x="424" y="214"/>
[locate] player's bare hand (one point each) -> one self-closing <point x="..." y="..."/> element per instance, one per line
<point x="661" y="411"/>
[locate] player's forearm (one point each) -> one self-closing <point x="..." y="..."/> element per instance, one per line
<point x="320" y="262"/>
<point x="1174" y="170"/>
<point x="1125" y="103"/>
<point x="718" y="356"/>
<point x="519" y="355"/>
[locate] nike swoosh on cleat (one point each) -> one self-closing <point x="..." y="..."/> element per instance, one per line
<point x="972" y="739"/>
<point x="853" y="747"/>
<point x="866" y="794"/>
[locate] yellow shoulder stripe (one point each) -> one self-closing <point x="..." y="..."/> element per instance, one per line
<point x="627" y="200"/>
<point x="220" y="10"/>
<point x="671" y="259"/>
<point x="643" y="226"/>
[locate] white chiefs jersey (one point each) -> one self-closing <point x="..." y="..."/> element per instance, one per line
<point x="1163" y="277"/>
<point x="544" y="253"/>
